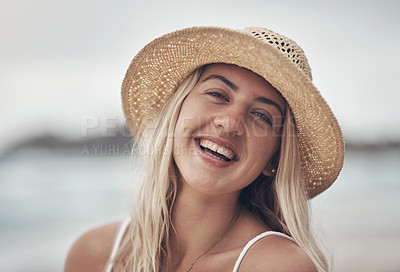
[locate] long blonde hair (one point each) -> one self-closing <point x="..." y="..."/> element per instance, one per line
<point x="280" y="201"/>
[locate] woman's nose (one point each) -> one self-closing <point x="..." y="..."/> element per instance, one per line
<point x="231" y="120"/>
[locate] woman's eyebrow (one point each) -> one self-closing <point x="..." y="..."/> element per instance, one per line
<point x="265" y="100"/>
<point x="229" y="83"/>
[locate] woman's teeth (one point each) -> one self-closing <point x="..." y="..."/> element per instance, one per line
<point x="218" y="152"/>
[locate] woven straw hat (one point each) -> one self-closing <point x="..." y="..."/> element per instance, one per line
<point x="157" y="70"/>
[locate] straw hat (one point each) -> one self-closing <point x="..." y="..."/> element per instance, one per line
<point x="161" y="65"/>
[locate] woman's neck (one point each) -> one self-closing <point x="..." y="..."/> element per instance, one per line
<point x="201" y="221"/>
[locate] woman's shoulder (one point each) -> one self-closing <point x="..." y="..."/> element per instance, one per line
<point x="91" y="250"/>
<point x="277" y="253"/>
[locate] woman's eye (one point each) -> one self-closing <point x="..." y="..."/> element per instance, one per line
<point x="218" y="95"/>
<point x="263" y="117"/>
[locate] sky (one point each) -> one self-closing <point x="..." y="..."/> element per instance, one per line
<point x="63" y="62"/>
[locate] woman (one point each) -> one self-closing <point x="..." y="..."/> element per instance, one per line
<point x="236" y="139"/>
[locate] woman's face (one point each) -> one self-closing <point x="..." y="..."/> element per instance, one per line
<point x="228" y="130"/>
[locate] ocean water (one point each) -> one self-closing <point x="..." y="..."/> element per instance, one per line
<point x="359" y="215"/>
<point x="49" y="197"/>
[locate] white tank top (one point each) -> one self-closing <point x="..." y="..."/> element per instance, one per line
<point x="124" y="225"/>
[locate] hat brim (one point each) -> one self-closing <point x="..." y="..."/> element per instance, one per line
<point x="161" y="65"/>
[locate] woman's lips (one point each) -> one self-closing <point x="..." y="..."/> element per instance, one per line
<point x="216" y="150"/>
<point x="219" y="152"/>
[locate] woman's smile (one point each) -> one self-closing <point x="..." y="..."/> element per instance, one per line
<point x="216" y="151"/>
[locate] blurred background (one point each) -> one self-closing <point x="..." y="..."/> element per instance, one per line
<point x="64" y="148"/>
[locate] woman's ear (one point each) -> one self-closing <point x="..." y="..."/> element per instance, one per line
<point x="272" y="165"/>
<point x="269" y="170"/>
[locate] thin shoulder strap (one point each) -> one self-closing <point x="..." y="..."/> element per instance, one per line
<point x="253" y="241"/>
<point x="117" y="241"/>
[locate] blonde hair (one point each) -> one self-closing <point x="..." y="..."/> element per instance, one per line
<point x="280" y="201"/>
<point x="292" y="197"/>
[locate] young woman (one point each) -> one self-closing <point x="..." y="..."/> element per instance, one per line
<point x="236" y="139"/>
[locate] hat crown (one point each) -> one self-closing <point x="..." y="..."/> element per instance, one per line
<point x="285" y="45"/>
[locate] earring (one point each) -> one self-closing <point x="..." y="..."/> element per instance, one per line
<point x="273" y="171"/>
